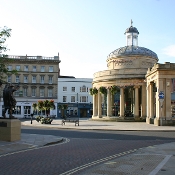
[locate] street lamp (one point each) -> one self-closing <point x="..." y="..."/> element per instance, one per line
<point x="77" y="109"/>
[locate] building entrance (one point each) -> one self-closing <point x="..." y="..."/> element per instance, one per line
<point x="27" y="111"/>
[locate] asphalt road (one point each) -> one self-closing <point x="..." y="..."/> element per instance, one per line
<point x="80" y="148"/>
<point x="96" y="134"/>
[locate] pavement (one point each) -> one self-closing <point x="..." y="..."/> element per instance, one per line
<point x="157" y="159"/>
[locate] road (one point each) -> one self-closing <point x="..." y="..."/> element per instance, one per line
<point x="80" y="150"/>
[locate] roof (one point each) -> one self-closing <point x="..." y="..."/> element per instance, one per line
<point x="132" y="50"/>
<point x="131" y="29"/>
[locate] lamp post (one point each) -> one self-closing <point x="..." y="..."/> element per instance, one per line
<point x="77" y="109"/>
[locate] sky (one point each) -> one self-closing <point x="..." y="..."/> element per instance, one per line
<point x="85" y="32"/>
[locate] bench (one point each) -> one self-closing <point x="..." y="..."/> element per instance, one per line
<point x="71" y="119"/>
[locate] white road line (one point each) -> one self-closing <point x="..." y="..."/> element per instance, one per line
<point x="161" y="164"/>
<point x="31" y="148"/>
<point x="97" y="162"/>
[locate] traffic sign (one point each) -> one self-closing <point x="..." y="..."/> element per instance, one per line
<point x="161" y="95"/>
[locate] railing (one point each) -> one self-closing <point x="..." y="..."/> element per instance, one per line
<point x="33" y="57"/>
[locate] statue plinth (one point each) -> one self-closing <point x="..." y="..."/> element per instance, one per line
<point x="10" y="130"/>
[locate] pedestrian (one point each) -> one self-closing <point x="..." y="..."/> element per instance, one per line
<point x="31" y="115"/>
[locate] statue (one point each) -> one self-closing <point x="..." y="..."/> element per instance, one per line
<point x="9" y="100"/>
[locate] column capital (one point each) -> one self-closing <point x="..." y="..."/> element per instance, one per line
<point x="136" y="86"/>
<point x="151" y="83"/>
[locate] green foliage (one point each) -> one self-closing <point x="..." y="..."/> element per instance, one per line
<point x="4" y="60"/>
<point x="44" y="105"/>
<point x="103" y="90"/>
<point x="4" y="34"/>
<point x="93" y="91"/>
<point x="40" y="105"/>
<point x="38" y="118"/>
<point x="34" y="105"/>
<point x="44" y="120"/>
<point x="114" y="89"/>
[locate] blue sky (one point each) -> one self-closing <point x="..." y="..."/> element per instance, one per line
<point x="85" y="32"/>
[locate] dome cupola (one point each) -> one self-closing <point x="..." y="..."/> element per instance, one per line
<point x="131" y="36"/>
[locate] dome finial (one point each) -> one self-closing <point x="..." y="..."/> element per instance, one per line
<point x="131" y="22"/>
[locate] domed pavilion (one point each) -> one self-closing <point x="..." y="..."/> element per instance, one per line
<point x="119" y="93"/>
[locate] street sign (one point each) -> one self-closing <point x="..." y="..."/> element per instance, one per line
<point x="161" y="95"/>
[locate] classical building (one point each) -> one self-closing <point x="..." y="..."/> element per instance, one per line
<point x="74" y="94"/>
<point x="160" y="94"/>
<point x="122" y="88"/>
<point x="38" y="80"/>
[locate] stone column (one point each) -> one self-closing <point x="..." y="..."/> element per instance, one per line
<point x="151" y="101"/>
<point x="150" y="104"/>
<point x="94" y="106"/>
<point x="109" y="113"/>
<point x="167" y="101"/>
<point x="112" y="102"/>
<point x="99" y="105"/>
<point x="143" y="108"/>
<point x="121" y="102"/>
<point x="136" y="104"/>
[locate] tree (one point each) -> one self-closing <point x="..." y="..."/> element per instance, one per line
<point x="63" y="108"/>
<point x="4" y="60"/>
<point x="44" y="105"/>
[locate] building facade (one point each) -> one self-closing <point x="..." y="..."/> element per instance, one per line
<point x="161" y="91"/>
<point x="74" y="93"/>
<point x="122" y="88"/>
<point x="38" y="80"/>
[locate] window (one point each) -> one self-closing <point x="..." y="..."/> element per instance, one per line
<point x="16" y="93"/>
<point x="42" y="68"/>
<point x="25" y="79"/>
<point x="73" y="89"/>
<point x="64" y="98"/>
<point x="9" y="68"/>
<point x="17" y="110"/>
<point x="34" y="69"/>
<point x="50" y="68"/>
<point x="17" y="67"/>
<point x="26" y="68"/>
<point x="50" y="92"/>
<point x="25" y="92"/>
<point x="83" y="99"/>
<point x="50" y="79"/>
<point x="33" y="79"/>
<point x="64" y="88"/>
<point x="9" y="79"/>
<point x="135" y="40"/>
<point x="41" y="92"/>
<point x="83" y="88"/>
<point x="72" y="98"/>
<point x="33" y="92"/>
<point x="42" y="79"/>
<point x="17" y="79"/>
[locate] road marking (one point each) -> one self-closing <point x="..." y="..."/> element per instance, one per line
<point x="108" y="163"/>
<point x="35" y="148"/>
<point x="97" y="162"/>
<point x="161" y="164"/>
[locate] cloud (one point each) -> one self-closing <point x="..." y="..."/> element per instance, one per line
<point x="170" y="51"/>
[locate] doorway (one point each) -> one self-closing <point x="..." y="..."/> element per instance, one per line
<point x="27" y="111"/>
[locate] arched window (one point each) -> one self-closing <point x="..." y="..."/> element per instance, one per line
<point x="83" y="88"/>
